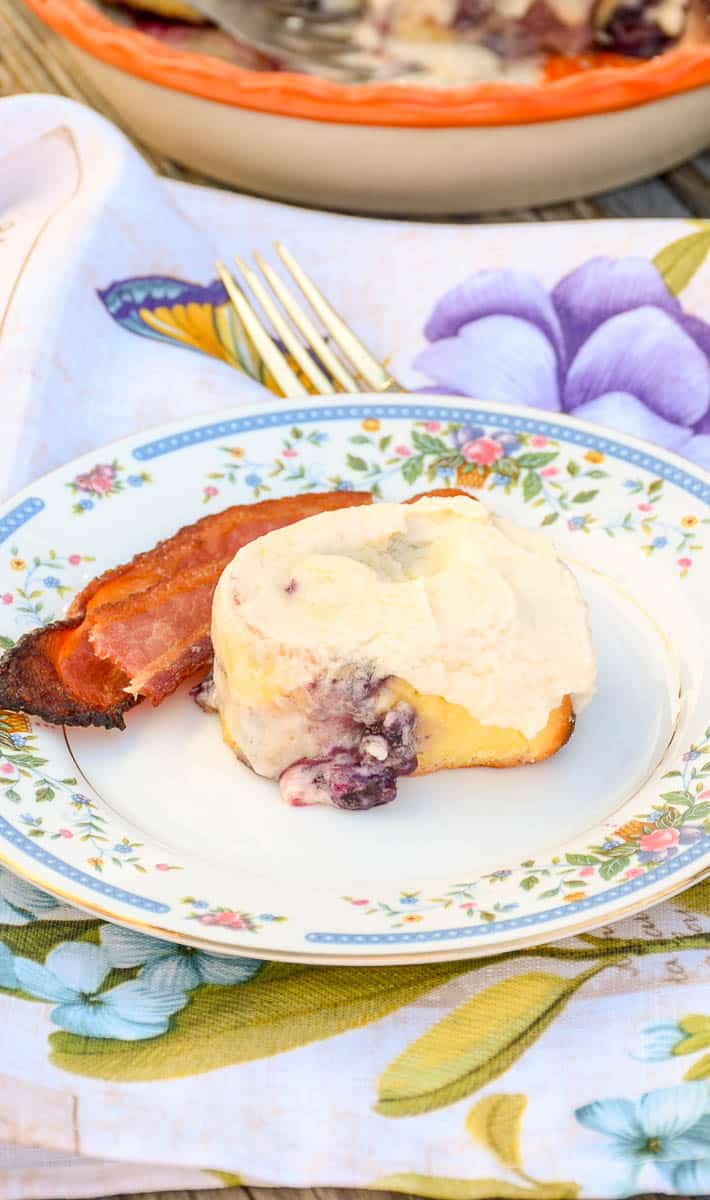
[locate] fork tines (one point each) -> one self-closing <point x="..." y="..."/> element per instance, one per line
<point x="274" y="333"/>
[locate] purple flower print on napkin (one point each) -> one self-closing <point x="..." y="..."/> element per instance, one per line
<point x="609" y="343"/>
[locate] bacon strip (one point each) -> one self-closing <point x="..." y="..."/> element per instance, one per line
<point x="140" y="629"/>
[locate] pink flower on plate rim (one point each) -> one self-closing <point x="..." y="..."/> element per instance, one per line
<point x="403" y="451"/>
<point x="99" y="479"/>
<point x="483" y="451"/>
<point x="74" y="560"/>
<point x="7" y="598"/>
<point x="432" y="426"/>
<point x="660" y="839"/>
<point x="7" y="768"/>
<point x="211" y="490"/>
<point x="685" y="563"/>
<point x="548" y="472"/>
<point x="359" y="902"/>
<point x="633" y="872"/>
<point x="65" y="833"/>
<point x="586" y="872"/>
<point x="538" y="441"/>
<point x="645" y="507"/>
<point x="99" y="483"/>
<point x="232" y="920"/>
<point x="289" y="453"/>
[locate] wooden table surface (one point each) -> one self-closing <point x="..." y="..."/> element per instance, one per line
<point x="261" y="1193"/>
<point x="32" y="59"/>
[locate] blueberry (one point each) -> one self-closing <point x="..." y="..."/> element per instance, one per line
<point x="353" y="778"/>
<point x="631" y="30"/>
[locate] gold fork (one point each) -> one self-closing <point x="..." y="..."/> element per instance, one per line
<point x="355" y="369"/>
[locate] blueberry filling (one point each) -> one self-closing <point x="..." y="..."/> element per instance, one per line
<point x="203" y="694"/>
<point x="631" y="30"/>
<point x="363" y="776"/>
<point x="628" y="27"/>
<point x="471" y="15"/>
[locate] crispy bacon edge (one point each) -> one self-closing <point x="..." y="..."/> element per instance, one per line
<point x="31" y="683"/>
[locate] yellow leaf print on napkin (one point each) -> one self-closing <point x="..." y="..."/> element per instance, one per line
<point x="495" y="1122"/>
<point x="679" y="261"/>
<point x="227" y="1179"/>
<point x="475" y="1044"/>
<point x="440" y="1188"/>
<point x="696" y="1030"/>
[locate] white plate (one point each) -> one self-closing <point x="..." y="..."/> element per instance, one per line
<point x="160" y="827"/>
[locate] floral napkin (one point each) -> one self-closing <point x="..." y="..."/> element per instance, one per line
<point x="578" y="1069"/>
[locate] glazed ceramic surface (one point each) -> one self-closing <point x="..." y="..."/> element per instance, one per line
<point x="396" y="148"/>
<point x="403" y="171"/>
<point x="161" y="827"/>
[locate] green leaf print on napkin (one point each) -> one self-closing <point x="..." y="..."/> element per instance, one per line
<point x="679" y="261"/>
<point x="696" y="899"/>
<point x="35" y="940"/>
<point x="281" y="1008"/>
<point x="475" y="1044"/>
<point x="284" y="1006"/>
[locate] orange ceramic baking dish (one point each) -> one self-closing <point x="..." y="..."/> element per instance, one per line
<point x="394" y="148"/>
<point x="604" y="89"/>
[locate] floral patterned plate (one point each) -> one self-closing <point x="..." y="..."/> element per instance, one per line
<point x="161" y="828"/>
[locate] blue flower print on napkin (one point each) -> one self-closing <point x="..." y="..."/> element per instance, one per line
<point x="21" y="903"/>
<point x="72" y="976"/>
<point x="657" y="1042"/>
<point x="168" y="965"/>
<point x="669" y="1128"/>
<point x="609" y="343"/>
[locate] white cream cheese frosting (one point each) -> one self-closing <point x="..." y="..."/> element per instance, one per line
<point x="456" y="601"/>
